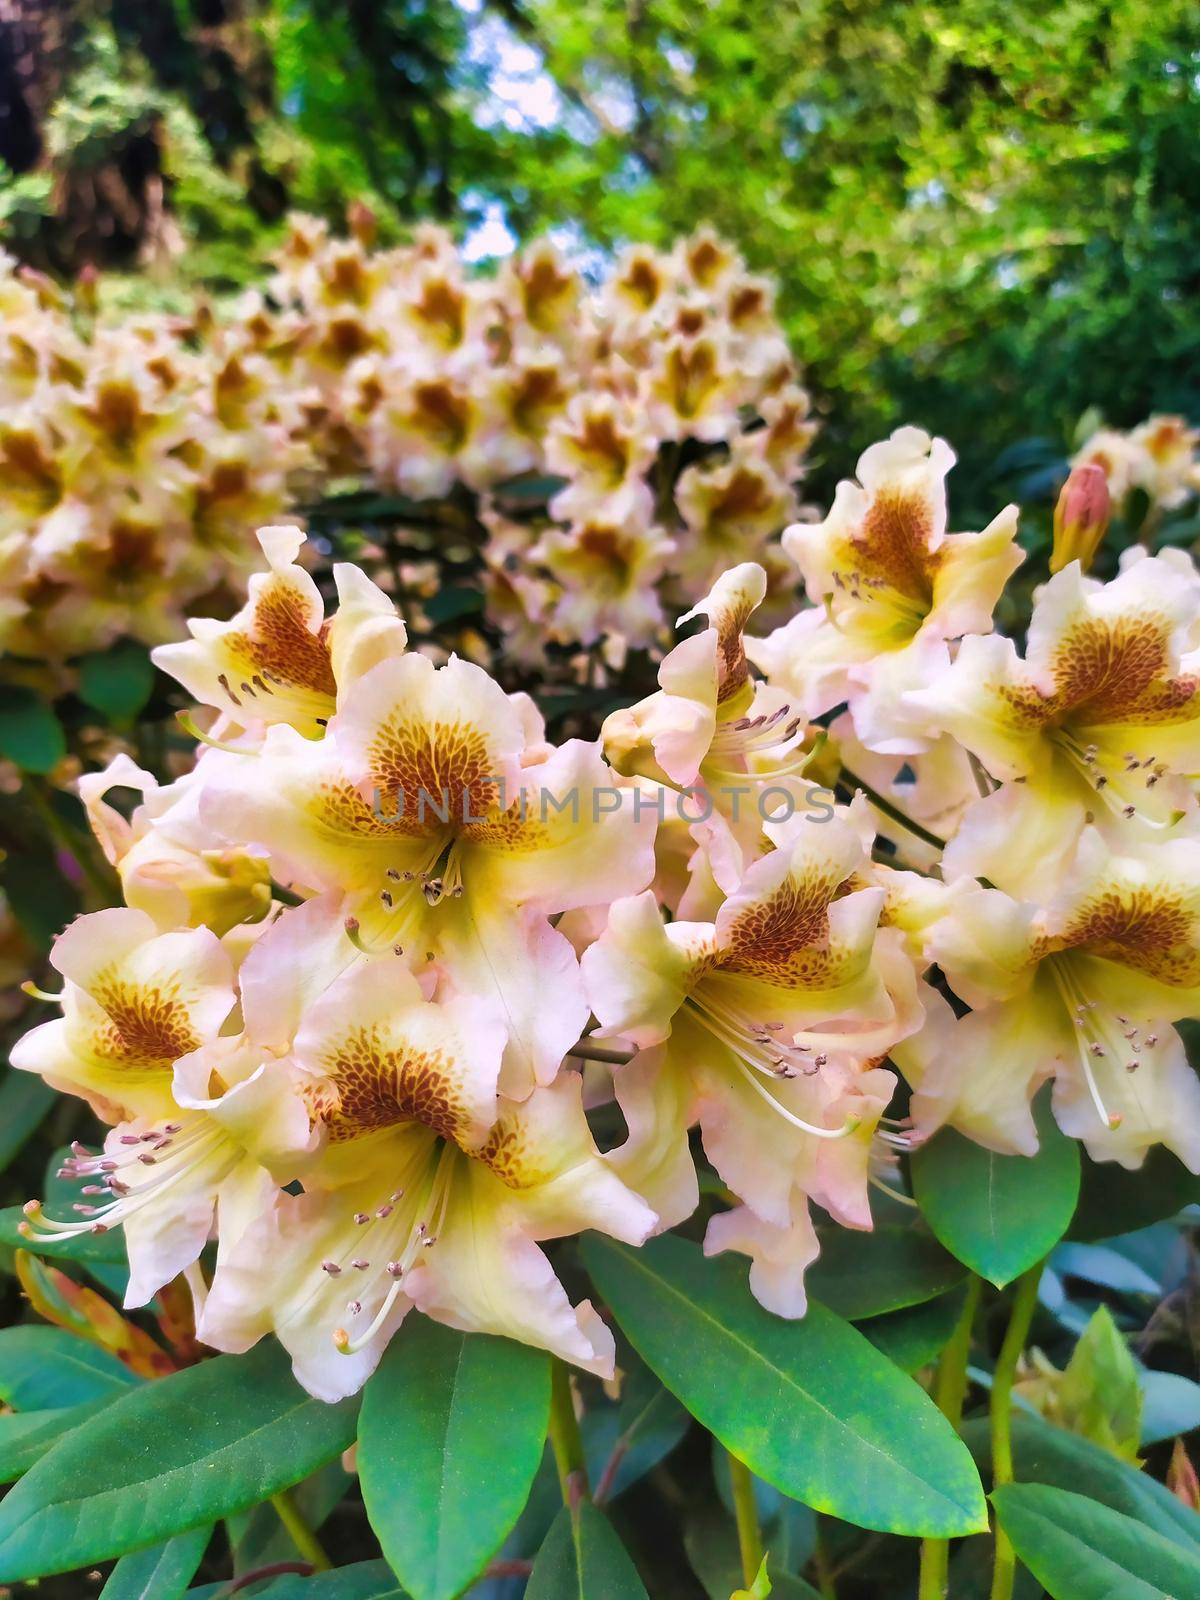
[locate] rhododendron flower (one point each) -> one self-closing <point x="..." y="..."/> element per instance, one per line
<point x="278" y="659"/>
<point x="161" y="872"/>
<point x="607" y="572"/>
<point x="210" y="1121"/>
<point x="1101" y="719"/>
<point x="1081" y="987"/>
<point x="728" y="508"/>
<point x="417" y="809"/>
<point x="709" y="726"/>
<point x="427" y="1192"/>
<point x="893" y="584"/>
<point x="765" y="1025"/>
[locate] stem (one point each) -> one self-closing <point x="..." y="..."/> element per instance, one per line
<point x="950" y="1391"/>
<point x="823" y="1568"/>
<point x="299" y="1531"/>
<point x="745" y="1512"/>
<point x="103" y="882"/>
<point x="890" y="810"/>
<point x="598" y="1052"/>
<point x="565" y="1439"/>
<point x="1004" y="1570"/>
<point x="275" y="1570"/>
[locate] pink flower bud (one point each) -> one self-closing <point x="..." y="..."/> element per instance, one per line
<point x="1080" y="517"/>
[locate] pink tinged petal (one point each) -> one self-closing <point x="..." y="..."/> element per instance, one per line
<point x="372" y="1030"/>
<point x="1157" y="1103"/>
<point x="527" y="970"/>
<point x="635" y="974"/>
<point x="451" y="724"/>
<point x="273" y="1281"/>
<point x="114" y="833"/>
<point x="779" y="1253"/>
<point x="988" y="1068"/>
<point x="261" y="1110"/>
<point x="656" y="1159"/>
<point x="582" y="842"/>
<point x="555" y="1180"/>
<point x="365" y="629"/>
<point x="291" y="966"/>
<point x="485" y="1275"/>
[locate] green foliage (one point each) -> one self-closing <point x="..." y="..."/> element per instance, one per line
<point x="211" y="1441"/>
<point x="30" y="733"/>
<point x="1081" y="1550"/>
<point x="977" y="1202"/>
<point x="440" y="1496"/>
<point x="160" y="1573"/>
<point x="582" y="1559"/>
<point x="789" y="1398"/>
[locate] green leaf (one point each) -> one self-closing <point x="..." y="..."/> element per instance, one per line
<point x="998" y="1214"/>
<point x="43" y="1368"/>
<point x="451" y="603"/>
<point x="809" y="1405"/>
<point x="1078" y="1549"/>
<point x="916" y="1336"/>
<point x="861" y="1275"/>
<point x="117" y="682"/>
<point x="1113" y="1200"/>
<point x="583" y="1560"/>
<point x="451" y="1435"/>
<point x="30" y="732"/>
<point x="169" y="1456"/>
<point x="161" y="1573"/>
<point x="364" y="1580"/>
<point x="1043" y="1453"/>
<point x="25" y="1436"/>
<point x="1098" y="1394"/>
<point x="24" y="1102"/>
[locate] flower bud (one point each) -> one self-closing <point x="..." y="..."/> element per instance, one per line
<point x="1080" y="517"/>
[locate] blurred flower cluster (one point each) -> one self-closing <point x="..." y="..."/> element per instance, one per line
<point x="132" y="465"/>
<point x="652" y="423"/>
<point x="403" y="989"/>
<point x="1159" y="457"/>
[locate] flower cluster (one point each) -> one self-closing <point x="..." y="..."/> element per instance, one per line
<point x="392" y="961"/>
<point x="132" y="465"/>
<point x="655" y="419"/>
<point x="1158" y="456"/>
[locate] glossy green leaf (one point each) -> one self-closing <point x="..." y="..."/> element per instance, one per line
<point x="451" y="1434"/>
<point x="1043" y="1453"/>
<point x="582" y="1559"/>
<point x="160" y="1573"/>
<point x="916" y="1336"/>
<point x="1113" y="1200"/>
<point x="25" y="1436"/>
<point x="364" y="1580"/>
<point x="44" y="1368"/>
<point x="117" y="682"/>
<point x="862" y="1275"/>
<point x="1078" y="1549"/>
<point x="30" y="732"/>
<point x="810" y="1406"/>
<point x="166" y="1457"/>
<point x="998" y="1214"/>
<point x="24" y="1102"/>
